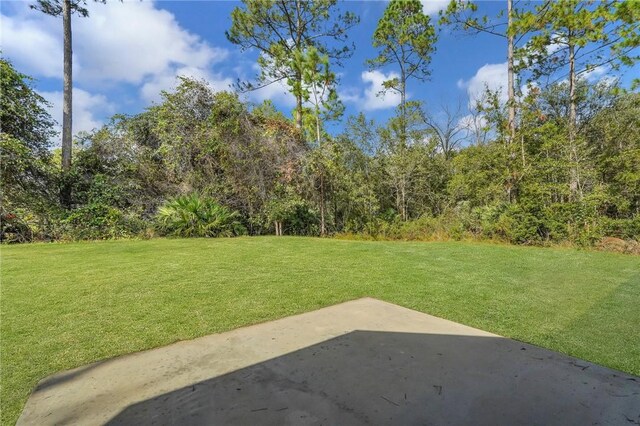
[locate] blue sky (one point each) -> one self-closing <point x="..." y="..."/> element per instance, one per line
<point x="126" y="53"/>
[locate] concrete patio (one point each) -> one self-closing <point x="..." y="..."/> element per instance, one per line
<point x="360" y="362"/>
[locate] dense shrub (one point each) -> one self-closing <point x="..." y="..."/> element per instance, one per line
<point x="258" y="171"/>
<point x="295" y="214"/>
<point x="620" y="228"/>
<point x="194" y="215"/>
<point x="512" y="223"/>
<point x="13" y="229"/>
<point x="98" y="221"/>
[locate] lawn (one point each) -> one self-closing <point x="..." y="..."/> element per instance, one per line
<point x="64" y="305"/>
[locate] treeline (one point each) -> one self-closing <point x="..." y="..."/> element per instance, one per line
<point x="558" y="162"/>
<point x="202" y="163"/>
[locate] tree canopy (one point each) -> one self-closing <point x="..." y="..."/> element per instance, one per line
<point x="283" y="31"/>
<point x="558" y="162"/>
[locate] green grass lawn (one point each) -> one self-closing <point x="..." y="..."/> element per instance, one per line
<point x="64" y="305"/>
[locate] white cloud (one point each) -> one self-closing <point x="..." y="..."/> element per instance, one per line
<point x="276" y="92"/>
<point x="493" y="76"/>
<point x="432" y="7"/>
<point x="132" y="40"/>
<point x="86" y="107"/>
<point x="30" y="42"/>
<point x="557" y="43"/>
<point x="129" y="42"/>
<point x="472" y="122"/>
<point x="119" y="42"/>
<point x="372" y="98"/>
<point x="525" y="89"/>
<point x="474" y="127"/>
<point x="594" y="74"/>
<point x="150" y="91"/>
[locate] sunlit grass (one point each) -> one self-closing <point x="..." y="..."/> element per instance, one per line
<point x="64" y="305"/>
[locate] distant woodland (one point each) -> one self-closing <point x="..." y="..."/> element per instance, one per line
<point x="558" y="162"/>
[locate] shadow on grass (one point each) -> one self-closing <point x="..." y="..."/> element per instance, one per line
<point x="587" y="338"/>
<point x="370" y="377"/>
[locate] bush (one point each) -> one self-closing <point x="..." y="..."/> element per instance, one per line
<point x="296" y="215"/>
<point x="521" y="224"/>
<point x="426" y="228"/>
<point x="13" y="229"/>
<point x="620" y="228"/>
<point x="98" y="221"/>
<point x="198" y="216"/>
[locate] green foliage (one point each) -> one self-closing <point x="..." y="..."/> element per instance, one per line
<point x="405" y="38"/>
<point x="599" y="33"/>
<point x="99" y="221"/>
<point x="297" y="216"/>
<point x="479" y="175"/>
<point x="23" y="112"/>
<point x="462" y="15"/>
<point x="197" y="216"/>
<point x="102" y="214"/>
<point x="28" y="180"/>
<point x="613" y="138"/>
<point x="321" y="93"/>
<point x="54" y="7"/>
<point x="286" y="33"/>
<point x="26" y="177"/>
<point x="369" y="180"/>
<point x="13" y="229"/>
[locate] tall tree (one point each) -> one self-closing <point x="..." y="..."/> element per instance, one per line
<point x="322" y="94"/>
<point x="281" y="31"/>
<point x="511" y="94"/>
<point x="23" y="113"/>
<point x="406" y="38"/>
<point x="26" y="129"/>
<point x="463" y="16"/>
<point x="65" y="8"/>
<point x="404" y="145"/>
<point x="575" y="37"/>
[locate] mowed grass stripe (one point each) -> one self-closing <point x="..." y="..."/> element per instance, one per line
<point x="65" y="305"/>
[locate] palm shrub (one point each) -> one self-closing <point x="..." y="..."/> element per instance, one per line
<point x="194" y="215"/>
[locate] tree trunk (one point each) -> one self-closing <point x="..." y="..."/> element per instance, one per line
<point x="403" y="109"/>
<point x="510" y="75"/>
<point x="67" y="94"/>
<point x="318" y="127"/>
<point x="511" y="108"/>
<point x="317" y="111"/>
<point x="299" y="112"/>
<point x="298" y="43"/>
<point x="572" y="90"/>
<point x="322" y="218"/>
<point x="397" y="191"/>
<point x="403" y="199"/>
<point x="335" y="213"/>
<point x="67" y="144"/>
<point x="403" y="144"/>
<point x="574" y="180"/>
